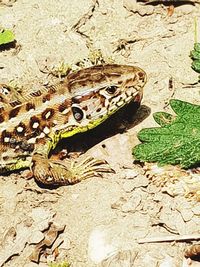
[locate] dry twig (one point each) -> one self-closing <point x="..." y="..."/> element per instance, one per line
<point x="170" y="238"/>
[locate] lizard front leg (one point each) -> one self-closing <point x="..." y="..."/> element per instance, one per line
<point x="57" y="172"/>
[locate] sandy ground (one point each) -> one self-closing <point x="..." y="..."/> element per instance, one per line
<point x="98" y="221"/>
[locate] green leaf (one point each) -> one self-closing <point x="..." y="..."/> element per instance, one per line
<point x="177" y="141"/>
<point x="6" y="36"/>
<point x="184" y="108"/>
<point x="195" y="55"/>
<point x="197" y="47"/>
<point x="163" y="118"/>
<point x="196" y="65"/>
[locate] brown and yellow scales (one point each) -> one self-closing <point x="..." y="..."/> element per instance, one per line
<point x="32" y="125"/>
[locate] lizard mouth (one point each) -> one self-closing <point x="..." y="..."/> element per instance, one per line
<point x="125" y="98"/>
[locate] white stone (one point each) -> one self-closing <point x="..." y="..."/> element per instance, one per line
<point x="98" y="248"/>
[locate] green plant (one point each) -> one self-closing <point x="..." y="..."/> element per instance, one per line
<point x="6" y="36"/>
<point x="195" y="56"/>
<point x="195" y="53"/>
<point x="61" y="264"/>
<point x="177" y="141"/>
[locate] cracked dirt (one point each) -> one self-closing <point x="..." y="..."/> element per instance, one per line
<point x="97" y="222"/>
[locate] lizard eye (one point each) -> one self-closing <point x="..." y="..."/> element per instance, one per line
<point x="5" y="90"/>
<point x="78" y="113"/>
<point x="111" y="89"/>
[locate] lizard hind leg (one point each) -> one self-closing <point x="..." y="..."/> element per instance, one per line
<point x="67" y="172"/>
<point x="57" y="172"/>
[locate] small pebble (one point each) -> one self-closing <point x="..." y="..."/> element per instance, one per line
<point x="196" y="210"/>
<point x="128" y="186"/>
<point x="129" y="174"/>
<point x="40" y="214"/>
<point x="131" y="204"/>
<point x="186" y="214"/>
<point x="141" y="181"/>
<point x="36" y="237"/>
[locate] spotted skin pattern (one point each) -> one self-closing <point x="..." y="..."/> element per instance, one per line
<point x="31" y="125"/>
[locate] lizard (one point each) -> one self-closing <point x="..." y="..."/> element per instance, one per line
<point x="32" y="125"/>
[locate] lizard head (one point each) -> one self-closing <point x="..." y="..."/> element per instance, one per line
<point x="99" y="91"/>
